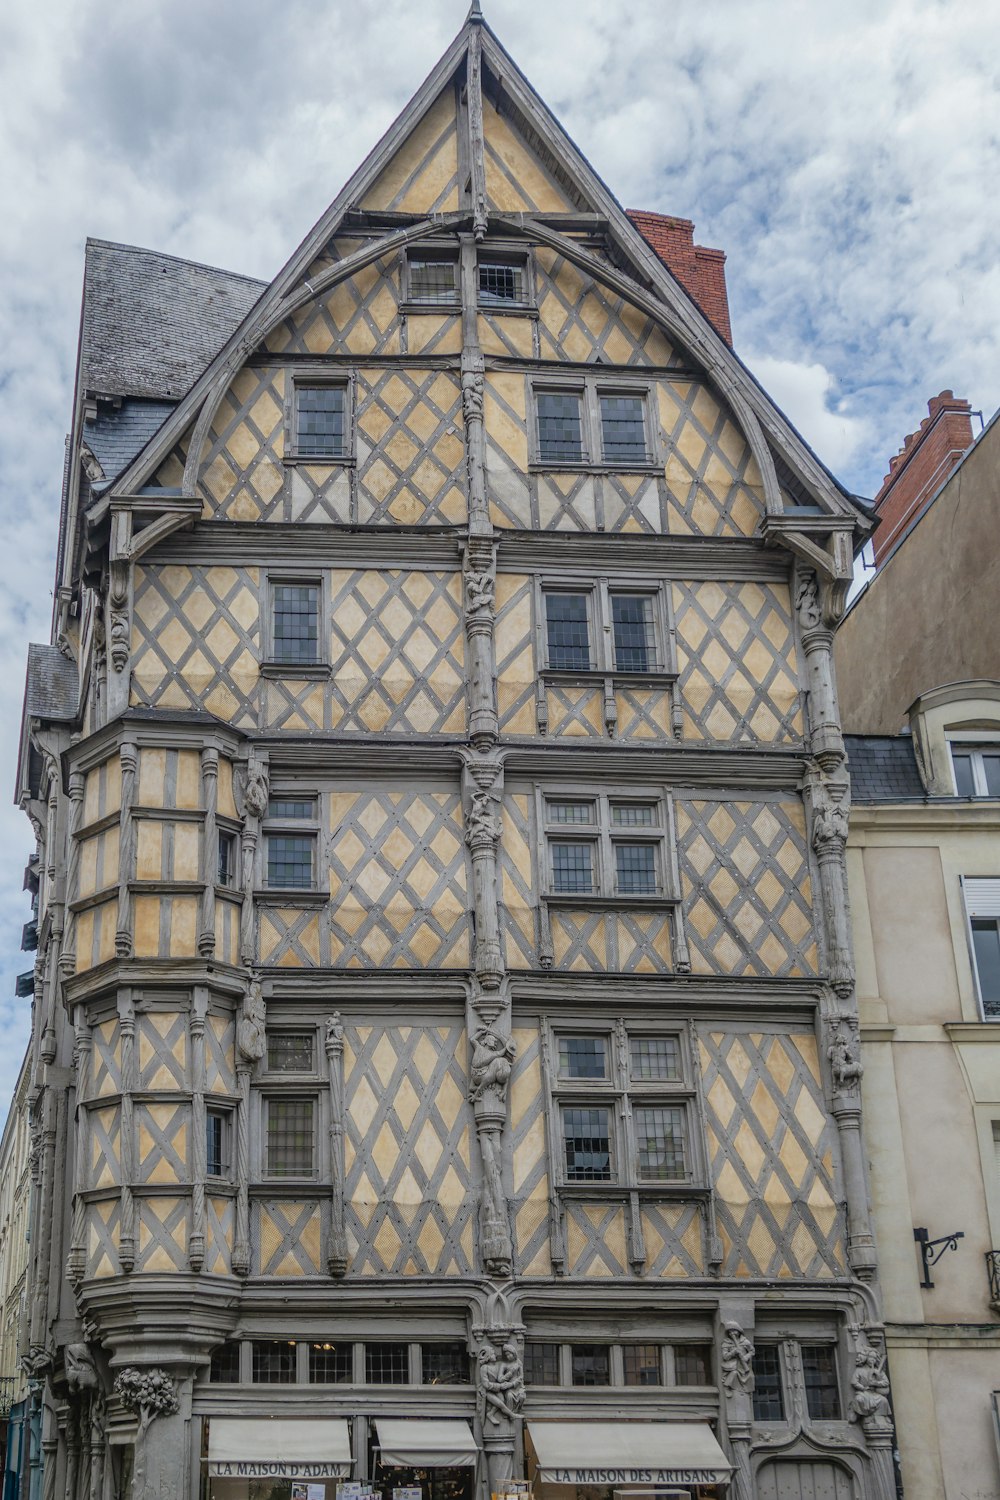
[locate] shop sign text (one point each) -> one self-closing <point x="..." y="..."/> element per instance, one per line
<point x="634" y="1476"/>
<point x="260" y="1468"/>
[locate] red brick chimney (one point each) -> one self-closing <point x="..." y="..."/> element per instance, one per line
<point x="921" y="467"/>
<point x="700" y="271"/>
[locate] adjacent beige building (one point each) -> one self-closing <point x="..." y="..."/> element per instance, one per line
<point x="924" y="882"/>
<point x="15" y="1194"/>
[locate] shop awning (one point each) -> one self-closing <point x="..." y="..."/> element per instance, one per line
<point x="438" y="1443"/>
<point x="279" y="1448"/>
<point x="632" y="1454"/>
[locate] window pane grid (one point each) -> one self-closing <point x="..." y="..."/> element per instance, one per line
<point x="387" y="1364"/>
<point x="986" y="946"/>
<point x="433" y="281"/>
<point x="591" y="1364"/>
<point x="583" y="1057"/>
<point x="289" y="1137"/>
<point x="227" y="859"/>
<point x="289" y="860"/>
<point x="225" y="1366"/>
<point x="659" y="1139"/>
<point x="570" y="812"/>
<point x="541" y="1363"/>
<point x="587" y="1141"/>
<point x="573" y="869"/>
<point x="693" y="1364"/>
<point x="560" y="435"/>
<point x="633" y="815"/>
<point x="632" y="618"/>
<point x="568" y="632"/>
<point x="444" y="1364"/>
<point x="296" y="623"/>
<point x="274" y="1362"/>
<point x="290" y="1052"/>
<point x="768" y="1401"/>
<point x="819" y="1370"/>
<point x="321" y="411"/>
<point x="291" y="807"/>
<point x="500" y="283"/>
<point x="642" y="1364"/>
<point x="331" y="1364"/>
<point x="635" y="870"/>
<point x="217" y="1153"/>
<point x="623" y="429"/>
<point x="654" y="1058"/>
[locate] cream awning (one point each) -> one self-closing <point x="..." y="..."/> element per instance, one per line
<point x="279" y="1447"/>
<point x="435" y="1443"/>
<point x="628" y="1454"/>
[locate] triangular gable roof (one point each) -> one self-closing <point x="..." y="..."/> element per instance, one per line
<point x="645" y="279"/>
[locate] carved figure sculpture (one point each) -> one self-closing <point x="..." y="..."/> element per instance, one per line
<point x="81" y="1371"/>
<point x="807" y="601"/>
<point x="844" y="1053"/>
<point x="255" y="792"/>
<point x="492" y="1060"/>
<point x="472" y="395"/>
<point x="870" y="1384"/>
<point x="501" y="1382"/>
<point x="482" y="821"/>
<point x="737" y="1360"/>
<point x="480" y="587"/>
<point x="148" y="1394"/>
<point x="250" y="1027"/>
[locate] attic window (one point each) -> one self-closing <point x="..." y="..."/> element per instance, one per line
<point x="502" y="283"/>
<point x="320" y="420"/>
<point x="432" y="279"/>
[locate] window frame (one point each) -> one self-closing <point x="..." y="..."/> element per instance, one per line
<point x="564" y="1344"/>
<point x="225" y="1115"/>
<point x="621" y="1093"/>
<point x="590" y="388"/>
<point x="293" y="1095"/>
<point x="972" y="916"/>
<point x="606" y="836"/>
<point x="231" y="837"/>
<point x="435" y="251"/>
<point x="273" y="665"/>
<point x="508" y="255"/>
<point x="299" y="377"/>
<point x="975" y="743"/>
<point x="600" y="593"/>
<point x="310" y="828"/>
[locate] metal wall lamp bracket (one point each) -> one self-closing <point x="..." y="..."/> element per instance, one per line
<point x="927" y="1259"/>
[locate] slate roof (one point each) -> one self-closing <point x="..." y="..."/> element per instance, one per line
<point x="152" y="322"/>
<point x="52" y="689"/>
<point x="115" y="437"/>
<point x="883" y="768"/>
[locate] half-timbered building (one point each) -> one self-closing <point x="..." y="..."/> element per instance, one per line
<point x="445" y="1052"/>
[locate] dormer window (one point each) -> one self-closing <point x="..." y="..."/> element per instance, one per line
<point x="976" y="769"/>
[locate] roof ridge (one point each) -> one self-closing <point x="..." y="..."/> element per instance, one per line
<point x="199" y="265"/>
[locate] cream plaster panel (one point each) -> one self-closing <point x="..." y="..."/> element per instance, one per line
<point x="916" y="1415"/>
<point x="422" y="175"/>
<point x="893" y="1212"/>
<point x="962" y="1379"/>
<point x="913" y="945"/>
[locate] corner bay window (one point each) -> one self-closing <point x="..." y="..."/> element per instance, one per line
<point x="605" y="846"/>
<point x="623" y="1113"/>
<point x="606" y="627"/>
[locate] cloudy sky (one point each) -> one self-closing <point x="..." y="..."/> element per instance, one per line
<point x="845" y="155"/>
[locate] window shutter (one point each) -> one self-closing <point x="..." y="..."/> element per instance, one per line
<point x="982" y="897"/>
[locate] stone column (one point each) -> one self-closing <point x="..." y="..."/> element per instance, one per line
<point x="126" y="1239"/>
<point x="199" y="1125"/>
<point x="870" y="1408"/>
<point x="159" y="1471"/>
<point x="336" y="1256"/>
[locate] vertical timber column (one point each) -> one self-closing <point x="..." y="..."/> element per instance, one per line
<point x="477" y="163"/>
<point x="336" y="1256"/>
<point x="827" y="795"/>
<point x="119" y="612"/>
<point x="252" y="805"/>
<point x="76" y="1261"/>
<point x="126" y="851"/>
<point x="67" y="958"/>
<point x="480" y="557"/>
<point x="199" y="1146"/>
<point x="209" y="850"/>
<point x="126" y="1237"/>
<point x="736" y="1368"/>
<point x="250" y="1047"/>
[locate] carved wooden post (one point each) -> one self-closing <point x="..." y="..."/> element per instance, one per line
<point x="736" y="1364"/>
<point x="119" y="614"/>
<point x="126" y="1235"/>
<point x="126" y="851"/>
<point x="480" y="217"/>
<point x="493" y="1053"/>
<point x="209" y="850"/>
<point x="870" y="1407"/>
<point x="76" y="1261"/>
<point x="336" y="1259"/>
<point x="199" y="1151"/>
<point x="482" y="798"/>
<point x="816" y="627"/>
<point x="480" y="562"/>
<point x="499" y="1389"/>
<point x="254" y="800"/>
<point x="250" y="1045"/>
<point x="67" y="958"/>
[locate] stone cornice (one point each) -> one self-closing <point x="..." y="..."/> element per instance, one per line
<point x="941" y="814"/>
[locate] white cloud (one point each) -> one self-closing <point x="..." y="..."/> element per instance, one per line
<point x="844" y="156"/>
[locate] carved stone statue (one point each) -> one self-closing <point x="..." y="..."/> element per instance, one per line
<point x="472" y="395"/>
<point x="737" y="1360"/>
<point x="844" y="1053"/>
<point x="480" y="589"/>
<point x="81" y="1371"/>
<point x="492" y="1060"/>
<point x="250" y="1026"/>
<point x="807" y="601"/>
<point x="482" y="822"/>
<point x="870" y="1384"/>
<point x="334" y="1031"/>
<point x="501" y="1382"/>
<point x="830" y="799"/>
<point x="148" y="1394"/>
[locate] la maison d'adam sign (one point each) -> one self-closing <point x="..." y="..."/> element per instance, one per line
<point x="259" y="1468"/>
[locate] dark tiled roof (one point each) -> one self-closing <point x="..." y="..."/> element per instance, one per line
<point x="151" y="322"/>
<point x="115" y="437"/>
<point x="52" y="690"/>
<point x="883" y="768"/>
